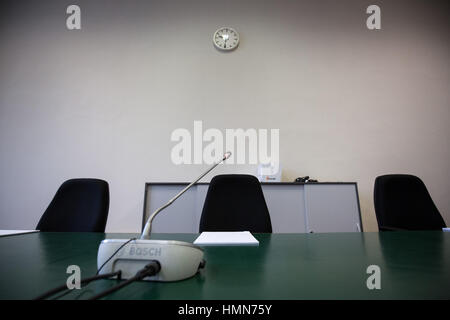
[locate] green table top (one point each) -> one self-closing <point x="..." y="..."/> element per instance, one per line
<point x="414" y="265"/>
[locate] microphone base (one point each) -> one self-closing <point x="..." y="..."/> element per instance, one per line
<point x="179" y="260"/>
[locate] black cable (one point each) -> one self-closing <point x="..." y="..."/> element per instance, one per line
<point x="123" y="245"/>
<point x="65" y="293"/>
<point x="82" y="281"/>
<point x="149" y="270"/>
<point x="87" y="280"/>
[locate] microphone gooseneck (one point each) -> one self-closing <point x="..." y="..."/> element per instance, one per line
<point x="148" y="225"/>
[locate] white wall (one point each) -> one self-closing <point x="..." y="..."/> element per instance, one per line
<point x="102" y="102"/>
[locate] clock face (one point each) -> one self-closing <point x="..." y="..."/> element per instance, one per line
<point x="226" y="39"/>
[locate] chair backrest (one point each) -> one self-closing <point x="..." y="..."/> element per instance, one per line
<point x="79" y="205"/>
<point x="402" y="201"/>
<point x="235" y="203"/>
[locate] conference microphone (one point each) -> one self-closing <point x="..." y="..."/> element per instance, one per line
<point x="178" y="260"/>
<point x="148" y="226"/>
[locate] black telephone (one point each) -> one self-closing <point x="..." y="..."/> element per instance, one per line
<point x="305" y="179"/>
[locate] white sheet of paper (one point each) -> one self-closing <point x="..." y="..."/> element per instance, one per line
<point x="240" y="238"/>
<point x="12" y="232"/>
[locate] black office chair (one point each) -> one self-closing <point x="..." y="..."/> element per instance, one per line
<point x="235" y="203"/>
<point x="79" y="205"/>
<point x="402" y="202"/>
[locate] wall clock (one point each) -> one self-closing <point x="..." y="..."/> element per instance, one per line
<point x="226" y="39"/>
